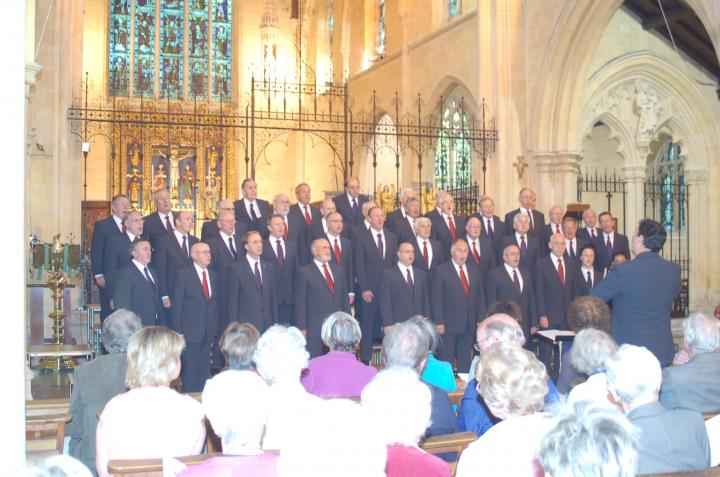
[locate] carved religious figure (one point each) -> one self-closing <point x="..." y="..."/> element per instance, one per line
<point x="174" y="160"/>
<point x="188" y="182"/>
<point x="428" y="198"/>
<point x="386" y="197"/>
<point x="646" y="102"/>
<point x="160" y="181"/>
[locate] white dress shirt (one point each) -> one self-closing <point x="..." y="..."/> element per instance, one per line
<point x="421" y="241"/>
<point x="465" y="270"/>
<point x="472" y="242"/>
<point x="572" y="241"/>
<point x="509" y="270"/>
<point x="404" y="271"/>
<point x="254" y="204"/>
<point x="252" y="262"/>
<point x="225" y="238"/>
<point x="319" y="264"/>
<point x="556" y="261"/>
<point x="118" y="222"/>
<point x="612" y="239"/>
<point x="585" y="271"/>
<point x="179" y="237"/>
<point x="275" y="245"/>
<point x="374" y="234"/>
<point x="169" y="215"/>
<point x="142" y="268"/>
<point x="517" y="238"/>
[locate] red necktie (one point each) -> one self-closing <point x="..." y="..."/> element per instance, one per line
<point x="426" y="257"/>
<point x="464" y="281"/>
<point x="124" y="230"/>
<point x="328" y="278"/>
<point x="308" y="219"/>
<point x="561" y="272"/>
<point x="338" y="253"/>
<point x="451" y="225"/>
<point x="206" y="287"/>
<point x="476" y="254"/>
<point x="285" y="234"/>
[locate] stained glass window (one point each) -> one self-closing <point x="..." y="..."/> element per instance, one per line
<point x="172" y="25"/>
<point x="453" y="155"/>
<point x="221" y="53"/>
<point x="453" y="8"/>
<point x="381" y="36"/>
<point x="119" y="51"/>
<point x="670" y="170"/>
<point x="197" y="49"/>
<point x="144" y="53"/>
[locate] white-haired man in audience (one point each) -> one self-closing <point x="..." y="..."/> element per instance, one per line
<point x="280" y="357"/>
<point x="398" y="406"/>
<point x="406" y="345"/>
<point x="670" y="441"/>
<point x="236" y="404"/>
<point x="694" y="384"/>
<point x="589" y="439"/>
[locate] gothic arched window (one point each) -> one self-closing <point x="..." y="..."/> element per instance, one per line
<point x="454" y="8"/>
<point x="132" y="69"/>
<point x="669" y="175"/>
<point x="381" y="40"/>
<point x="453" y="154"/>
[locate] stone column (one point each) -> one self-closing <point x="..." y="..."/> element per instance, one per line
<point x="634" y="176"/>
<point x="556" y="174"/>
<point x="698" y="235"/>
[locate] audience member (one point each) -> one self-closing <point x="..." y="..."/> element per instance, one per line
<point x="150" y="420"/>
<point x="338" y="374"/>
<point x="405" y="345"/>
<point x="590" y="349"/>
<point x="398" y="407"/>
<point x="670" y="441"/>
<point x="238" y="343"/>
<point x="54" y="466"/>
<point x="589" y="440"/>
<point x="98" y="381"/>
<point x="514" y="385"/>
<point x="694" y="385"/>
<point x="236" y="404"/>
<point x="439" y="373"/>
<point x="280" y="357"/>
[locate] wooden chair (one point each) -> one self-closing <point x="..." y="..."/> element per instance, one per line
<point x="449" y="443"/>
<point x="149" y="467"/>
<point x="45" y="434"/>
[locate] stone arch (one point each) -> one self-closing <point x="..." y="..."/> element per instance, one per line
<point x="618" y="132"/>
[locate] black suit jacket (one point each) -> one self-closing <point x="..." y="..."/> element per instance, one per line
<point x="582" y="281"/>
<point x="441" y="231"/>
<point x="450" y="306"/>
<point x="603" y="260"/>
<point x="316" y="231"/>
<point x="369" y="267"/>
<point x="583" y="234"/>
<point x="259" y="225"/>
<point x="248" y="302"/>
<point x="487" y="256"/>
<point x="397" y="301"/>
<point x="391" y="218"/>
<point x="347" y="261"/>
<point x="117" y="256"/>
<point x="133" y="293"/>
<point x="551" y="296"/>
<point x="168" y="259"/>
<point x="304" y="255"/>
<point x="154" y="228"/>
<point x="222" y="263"/>
<point x="499" y="231"/>
<point x="103" y="232"/>
<point x="437" y="259"/>
<point x="192" y="315"/>
<point x="403" y="230"/>
<point x="532" y="254"/>
<point x="500" y="287"/>
<point x="579" y="244"/>
<point x="538" y="222"/>
<point x="296" y="229"/>
<point x="284" y="275"/>
<point x="342" y="205"/>
<point x="314" y="301"/>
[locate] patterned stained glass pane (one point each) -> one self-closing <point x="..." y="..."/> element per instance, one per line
<point x="172" y="26"/>
<point x="381" y="37"/>
<point x="198" y="49"/>
<point x="453" y="9"/>
<point x="119" y="48"/>
<point x="453" y="155"/>
<point x="144" y="48"/>
<point x="222" y="49"/>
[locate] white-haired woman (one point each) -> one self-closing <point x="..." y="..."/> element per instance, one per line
<point x="151" y="419"/>
<point x="513" y="384"/>
<point x="236" y="404"/>
<point x="280" y="357"/>
<point x="590" y="349"/>
<point x="338" y="373"/>
<point x="398" y="406"/>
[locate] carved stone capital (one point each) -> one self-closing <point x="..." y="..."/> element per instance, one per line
<point x="31" y="71"/>
<point x="634" y="174"/>
<point x="555" y="161"/>
<point x="696" y="176"/>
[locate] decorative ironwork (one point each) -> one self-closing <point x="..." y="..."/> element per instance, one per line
<point x="606" y="184"/>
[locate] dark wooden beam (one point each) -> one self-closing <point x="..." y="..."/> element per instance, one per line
<point x="672" y="15"/>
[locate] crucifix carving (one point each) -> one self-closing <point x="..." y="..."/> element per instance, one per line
<point x="520" y="165"/>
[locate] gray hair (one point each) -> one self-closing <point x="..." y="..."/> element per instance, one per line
<point x="341" y="332"/>
<point x="503" y="328"/>
<point x="421" y="220"/>
<point x="280" y="355"/>
<point x="133" y="213"/>
<point x="405" y="345"/>
<point x="634" y="373"/>
<point x="118" y="328"/>
<point x="427" y="327"/>
<point x="238" y="343"/>
<point x="399" y="404"/>
<point x="590" y="439"/>
<point x="518" y="216"/>
<point x="590" y="349"/>
<point x="702" y="333"/>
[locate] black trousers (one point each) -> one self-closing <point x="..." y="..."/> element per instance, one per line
<point x="457" y="347"/>
<point x="195" y="361"/>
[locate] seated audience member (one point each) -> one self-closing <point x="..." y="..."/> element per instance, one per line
<point x="236" y="404"/>
<point x="583" y="312"/>
<point x="98" y="381"/>
<point x="398" y="407"/>
<point x="338" y="373"/>
<point x="280" y="357"/>
<point x="151" y="420"/>
<point x="669" y="441"/>
<point x="335" y="438"/>
<point x="436" y="372"/>
<point x="502" y="307"/>
<point x="514" y="384"/>
<point x="405" y="345"/>
<point x="589" y="440"/>
<point x="238" y="343"/>
<point x="694" y="385"/>
<point x="54" y="466"/>
<point x="590" y="350"/>
<point x="474" y="415"/>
